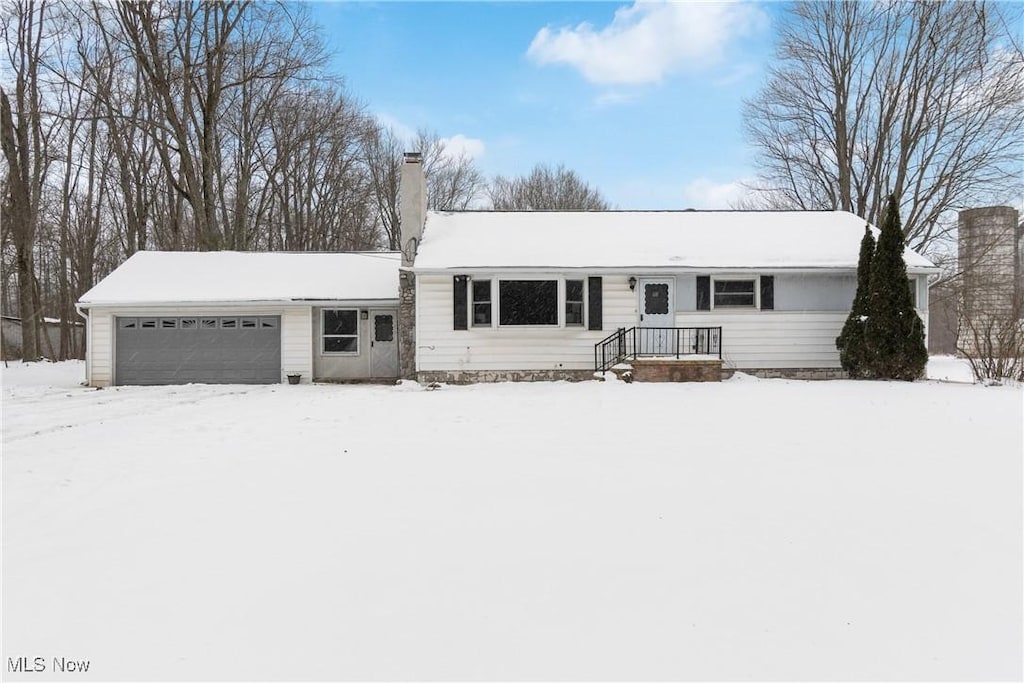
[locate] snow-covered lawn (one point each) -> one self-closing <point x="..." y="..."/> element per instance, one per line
<point x="749" y="529"/>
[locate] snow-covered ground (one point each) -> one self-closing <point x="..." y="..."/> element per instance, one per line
<point x="753" y="529"/>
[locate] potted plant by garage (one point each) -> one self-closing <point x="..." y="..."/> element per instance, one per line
<point x="294" y="377"/>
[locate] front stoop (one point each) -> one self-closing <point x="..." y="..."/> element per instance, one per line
<point x="676" y="370"/>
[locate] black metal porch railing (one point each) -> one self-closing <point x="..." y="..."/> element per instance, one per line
<point x="635" y="342"/>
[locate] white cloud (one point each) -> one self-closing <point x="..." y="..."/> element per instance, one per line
<point x="648" y="40"/>
<point x="460" y="145"/>
<point x="403" y="132"/>
<point x="453" y="147"/>
<point x="706" y="194"/>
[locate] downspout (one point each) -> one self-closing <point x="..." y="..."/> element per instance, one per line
<point x="83" y="313"/>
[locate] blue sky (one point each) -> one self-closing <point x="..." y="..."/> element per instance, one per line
<point x="643" y="101"/>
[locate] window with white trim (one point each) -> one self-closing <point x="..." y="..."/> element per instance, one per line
<point x="574" y="303"/>
<point x="340" y="330"/>
<point x="735" y="293"/>
<point x="481" y="303"/>
<point x="912" y="283"/>
<point x="528" y="302"/>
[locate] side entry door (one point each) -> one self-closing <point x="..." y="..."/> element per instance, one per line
<point x="383" y="344"/>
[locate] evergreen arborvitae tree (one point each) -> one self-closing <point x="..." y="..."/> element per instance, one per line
<point x="850" y="341"/>
<point x="893" y="334"/>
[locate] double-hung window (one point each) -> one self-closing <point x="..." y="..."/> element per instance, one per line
<point x="340" y="330"/>
<point x="735" y="294"/>
<point x="574" y="303"/>
<point x="481" y="303"/>
<point x="912" y="284"/>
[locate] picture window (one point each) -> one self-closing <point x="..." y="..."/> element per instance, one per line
<point x="528" y="302"/>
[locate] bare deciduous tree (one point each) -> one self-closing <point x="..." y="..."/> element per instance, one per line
<point x="453" y="181"/>
<point x="545" y="189"/>
<point x="24" y="138"/>
<point x="383" y="151"/>
<point x="922" y="100"/>
<point x="177" y="126"/>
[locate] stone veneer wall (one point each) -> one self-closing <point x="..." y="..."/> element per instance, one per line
<point x="474" y="376"/>
<point x="406" y="325"/>
<point x="794" y="373"/>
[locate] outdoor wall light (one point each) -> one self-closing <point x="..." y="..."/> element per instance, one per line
<point x="365" y="315"/>
<point x="632" y="283"/>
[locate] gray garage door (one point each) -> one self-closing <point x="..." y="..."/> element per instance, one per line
<point x="206" y="349"/>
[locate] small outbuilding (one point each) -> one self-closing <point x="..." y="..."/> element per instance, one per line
<point x="243" y="318"/>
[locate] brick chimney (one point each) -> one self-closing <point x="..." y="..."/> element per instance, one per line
<point x="412" y="192"/>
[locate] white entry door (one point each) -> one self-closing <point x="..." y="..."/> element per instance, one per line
<point x="657" y="310"/>
<point x="383" y="344"/>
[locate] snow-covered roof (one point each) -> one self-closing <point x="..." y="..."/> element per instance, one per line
<point x="644" y="239"/>
<point x="153" y="277"/>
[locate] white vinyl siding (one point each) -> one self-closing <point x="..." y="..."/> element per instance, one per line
<point x="441" y="348"/>
<point x="815" y="292"/>
<point x="773" y="339"/>
<point x="100" y="352"/>
<point x="793" y="292"/>
<point x="296" y="349"/>
<point x="296" y="331"/>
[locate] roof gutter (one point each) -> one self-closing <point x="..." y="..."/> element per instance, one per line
<point x="268" y="303"/>
<point x="634" y="270"/>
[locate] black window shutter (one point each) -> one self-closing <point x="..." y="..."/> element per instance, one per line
<point x="594" y="321"/>
<point x="459" y="302"/>
<point x="703" y="292"/>
<point x="767" y="292"/>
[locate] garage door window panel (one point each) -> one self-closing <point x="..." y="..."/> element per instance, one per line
<point x="340" y="331"/>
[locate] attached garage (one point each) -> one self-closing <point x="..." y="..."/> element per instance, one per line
<point x="208" y="349"/>
<point x="242" y="318"/>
